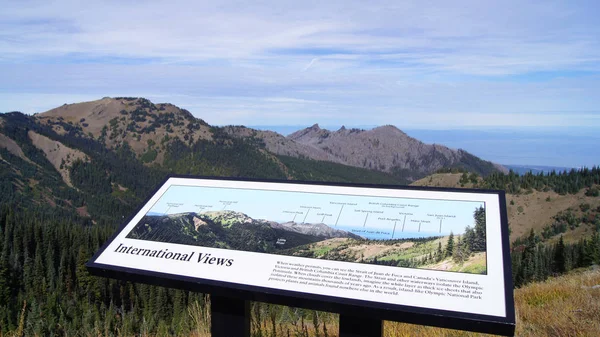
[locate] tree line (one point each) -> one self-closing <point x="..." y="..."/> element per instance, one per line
<point x="534" y="261"/>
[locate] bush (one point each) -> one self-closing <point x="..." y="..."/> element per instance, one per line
<point x="149" y="156"/>
<point x="592" y="192"/>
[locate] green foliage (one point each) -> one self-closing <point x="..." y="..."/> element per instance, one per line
<point x="224" y="156"/>
<point x="462" y="251"/>
<point x="534" y="261"/>
<point x="560" y="257"/>
<point x="479" y="237"/>
<point x="566" y="182"/>
<point x="312" y="170"/>
<point x="149" y="156"/>
<point x="464" y="179"/>
<point x="43" y="247"/>
<point x="42" y="266"/>
<point x="450" y="245"/>
<point x="593" y="191"/>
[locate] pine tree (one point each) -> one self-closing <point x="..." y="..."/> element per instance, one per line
<point x="479" y="244"/>
<point x="457" y="254"/>
<point x="450" y="246"/>
<point x="469" y="238"/>
<point x="560" y="261"/>
<point x="528" y="261"/>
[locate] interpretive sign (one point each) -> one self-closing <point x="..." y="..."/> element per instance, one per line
<point x="430" y="256"/>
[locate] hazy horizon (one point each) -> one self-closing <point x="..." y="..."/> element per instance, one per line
<point x="551" y="147"/>
<point x="460" y="65"/>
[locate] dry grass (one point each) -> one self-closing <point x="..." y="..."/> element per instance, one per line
<point x="442" y="180"/>
<point x="563" y="306"/>
<point x="526" y="210"/>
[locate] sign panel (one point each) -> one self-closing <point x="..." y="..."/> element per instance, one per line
<point x="408" y="253"/>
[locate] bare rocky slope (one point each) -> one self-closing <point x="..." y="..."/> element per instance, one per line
<point x="388" y="149"/>
<point x="281" y="145"/>
<point x="385" y="148"/>
<point x="149" y="127"/>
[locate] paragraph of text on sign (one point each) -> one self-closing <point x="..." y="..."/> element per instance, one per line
<point x="388" y="283"/>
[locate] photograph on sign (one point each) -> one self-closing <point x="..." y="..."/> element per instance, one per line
<point x="387" y="231"/>
<point x="432" y="249"/>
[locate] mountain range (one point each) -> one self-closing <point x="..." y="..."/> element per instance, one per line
<point x="232" y="230"/>
<point x="94" y="163"/>
<point x="106" y="154"/>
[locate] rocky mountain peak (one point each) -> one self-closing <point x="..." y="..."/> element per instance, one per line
<point x="387" y="148"/>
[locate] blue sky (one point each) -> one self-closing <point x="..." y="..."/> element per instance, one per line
<point x="413" y="64"/>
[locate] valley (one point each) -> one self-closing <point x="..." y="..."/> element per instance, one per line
<point x="70" y="176"/>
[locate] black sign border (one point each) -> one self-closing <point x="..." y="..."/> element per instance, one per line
<point x="344" y="306"/>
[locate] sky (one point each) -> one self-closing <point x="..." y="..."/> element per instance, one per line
<point x="325" y="208"/>
<point x="424" y="65"/>
<point x="417" y="64"/>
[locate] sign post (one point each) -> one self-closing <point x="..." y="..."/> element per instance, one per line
<point x="229" y="317"/>
<point x="360" y="327"/>
<point x="431" y="256"/>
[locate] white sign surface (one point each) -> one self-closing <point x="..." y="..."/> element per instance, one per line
<point x="420" y="248"/>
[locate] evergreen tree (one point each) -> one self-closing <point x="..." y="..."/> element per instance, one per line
<point x="528" y="261"/>
<point x="479" y="243"/>
<point x="560" y="257"/>
<point x="469" y="238"/>
<point x="461" y="252"/>
<point x="450" y="246"/>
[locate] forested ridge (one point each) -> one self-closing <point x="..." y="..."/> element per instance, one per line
<point x="48" y="230"/>
<point x="45" y="289"/>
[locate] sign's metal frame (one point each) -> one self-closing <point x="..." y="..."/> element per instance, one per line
<point x="360" y="309"/>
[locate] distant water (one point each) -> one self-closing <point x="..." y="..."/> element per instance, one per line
<point x="563" y="148"/>
<point x="386" y="233"/>
<point x="154" y="214"/>
<point x="574" y="147"/>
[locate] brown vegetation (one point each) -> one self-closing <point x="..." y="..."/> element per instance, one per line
<point x="527" y="210"/>
<point x="58" y="154"/>
<point x="13" y="147"/>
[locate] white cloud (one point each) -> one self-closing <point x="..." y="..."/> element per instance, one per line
<point x="415" y="63"/>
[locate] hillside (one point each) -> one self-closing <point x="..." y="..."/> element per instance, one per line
<point x="100" y="158"/>
<point x="563" y="306"/>
<point x="67" y="183"/>
<point x="385" y="149"/>
<point x="388" y="149"/>
<point x="231" y="230"/>
<point x="148" y="128"/>
<point x="280" y="145"/>
<point x="540" y="210"/>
